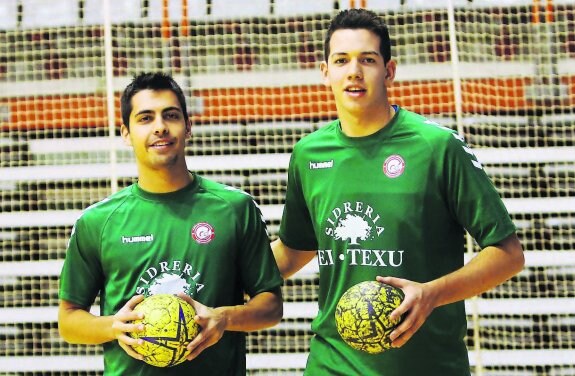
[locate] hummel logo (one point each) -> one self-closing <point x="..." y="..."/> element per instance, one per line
<point x="138" y="239"/>
<point x="320" y="165"/>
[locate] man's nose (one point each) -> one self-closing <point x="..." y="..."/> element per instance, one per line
<point x="355" y="71"/>
<point x="160" y="126"/>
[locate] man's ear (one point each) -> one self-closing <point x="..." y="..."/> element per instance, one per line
<point x="188" y="128"/>
<point x="125" y="131"/>
<point x="323" y="66"/>
<point x="390" y="69"/>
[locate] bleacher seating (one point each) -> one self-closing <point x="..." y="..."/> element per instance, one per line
<point x="52" y="168"/>
<point x="86" y="58"/>
<point x="510" y="306"/>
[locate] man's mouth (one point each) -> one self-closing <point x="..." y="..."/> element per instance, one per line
<point x="160" y="144"/>
<point x="353" y="89"/>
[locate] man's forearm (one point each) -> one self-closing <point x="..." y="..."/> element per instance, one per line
<point x="81" y="327"/>
<point x="491" y="267"/>
<point x="289" y="260"/>
<point x="262" y="311"/>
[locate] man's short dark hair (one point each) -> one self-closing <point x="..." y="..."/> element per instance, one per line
<point x="360" y="19"/>
<point x="150" y="81"/>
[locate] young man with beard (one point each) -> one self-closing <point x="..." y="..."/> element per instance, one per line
<point x="171" y="232"/>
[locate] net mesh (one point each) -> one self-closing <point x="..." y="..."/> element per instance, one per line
<point x="250" y="70"/>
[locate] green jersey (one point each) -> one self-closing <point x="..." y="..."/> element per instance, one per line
<point x="394" y="203"/>
<point x="207" y="240"/>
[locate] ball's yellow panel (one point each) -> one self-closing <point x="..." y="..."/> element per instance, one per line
<point x="168" y="327"/>
<point x="362" y="315"/>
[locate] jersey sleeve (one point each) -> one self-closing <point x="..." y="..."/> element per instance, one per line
<point x="258" y="269"/>
<point x="81" y="277"/>
<point x="472" y="197"/>
<point x="296" y="227"/>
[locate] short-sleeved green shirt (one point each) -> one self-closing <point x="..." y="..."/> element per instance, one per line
<point x="207" y="240"/>
<point x="395" y="203"/>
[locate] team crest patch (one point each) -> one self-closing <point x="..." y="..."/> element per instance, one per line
<point x="203" y="233"/>
<point x="393" y="166"/>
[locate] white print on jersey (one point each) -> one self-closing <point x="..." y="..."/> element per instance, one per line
<point x="353" y="221"/>
<point x="363" y="257"/>
<point x="431" y="122"/>
<point x="203" y="233"/>
<point x="393" y="166"/>
<point x="169" y="277"/>
<point x="468" y="150"/>
<point x="320" y="165"/>
<point x="255" y="203"/>
<point x="149" y="238"/>
<point x="474" y="161"/>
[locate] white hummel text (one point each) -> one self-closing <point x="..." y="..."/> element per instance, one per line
<point x="138" y="239"/>
<point x="320" y="165"/>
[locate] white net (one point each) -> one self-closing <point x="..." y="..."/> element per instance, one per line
<point x="504" y="77"/>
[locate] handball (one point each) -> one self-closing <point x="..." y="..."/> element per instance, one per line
<point x="169" y="327"/>
<point x="362" y="316"/>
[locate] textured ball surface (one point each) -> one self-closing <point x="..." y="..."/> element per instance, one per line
<point x="362" y="315"/>
<point x="168" y="327"/>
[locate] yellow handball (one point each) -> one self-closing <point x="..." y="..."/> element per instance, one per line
<point x="168" y="328"/>
<point x="362" y="315"/>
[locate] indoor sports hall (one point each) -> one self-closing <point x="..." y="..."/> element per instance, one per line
<point x="501" y="72"/>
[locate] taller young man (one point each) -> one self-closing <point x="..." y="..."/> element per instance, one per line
<point x="384" y="193"/>
<point x="172" y="232"/>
